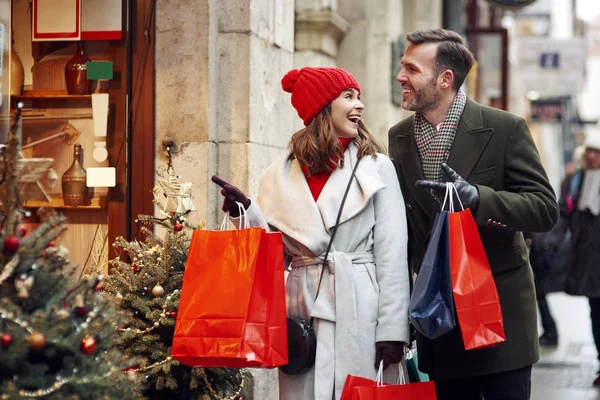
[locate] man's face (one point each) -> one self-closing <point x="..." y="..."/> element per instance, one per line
<point x="420" y="88"/>
<point x="592" y="158"/>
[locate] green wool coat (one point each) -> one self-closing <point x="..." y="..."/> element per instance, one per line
<point x="494" y="150"/>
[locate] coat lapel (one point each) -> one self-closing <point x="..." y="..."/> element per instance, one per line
<point x="367" y="183"/>
<point x="470" y="140"/>
<point x="287" y="204"/>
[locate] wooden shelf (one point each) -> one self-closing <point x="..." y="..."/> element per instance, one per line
<point x="97" y="203"/>
<point x="50" y="95"/>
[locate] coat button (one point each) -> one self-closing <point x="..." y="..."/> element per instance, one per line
<point x="409" y="207"/>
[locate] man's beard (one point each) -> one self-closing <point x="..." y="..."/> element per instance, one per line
<point x="425" y="99"/>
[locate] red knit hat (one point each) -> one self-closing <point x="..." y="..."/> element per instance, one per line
<point x="313" y="88"/>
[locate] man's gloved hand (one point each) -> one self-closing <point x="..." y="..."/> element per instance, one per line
<point x="231" y="195"/>
<point x="468" y="194"/>
<point x="390" y="352"/>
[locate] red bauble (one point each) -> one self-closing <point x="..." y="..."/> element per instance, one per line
<point x="99" y="287"/>
<point x="178" y="227"/>
<point x="88" y="345"/>
<point x="80" y="311"/>
<point x="11" y="244"/>
<point x="51" y="243"/>
<point x="21" y="231"/>
<point x="134" y="268"/>
<point x="6" y="340"/>
<point x="173" y="314"/>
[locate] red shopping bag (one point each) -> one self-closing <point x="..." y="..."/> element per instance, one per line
<point x="232" y="304"/>
<point x="411" y="391"/>
<point x="357" y="388"/>
<point x="474" y="290"/>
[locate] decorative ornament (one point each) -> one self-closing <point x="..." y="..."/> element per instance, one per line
<point x="88" y="345"/>
<point x="80" y="311"/>
<point x="173" y="196"/>
<point x="158" y="291"/>
<point x="51" y="243"/>
<point x="23" y="286"/>
<point x="134" y="268"/>
<point x="99" y="287"/>
<point x="21" y="231"/>
<point x="173" y="314"/>
<point x="63" y="314"/>
<point x="119" y="296"/>
<point x="11" y="244"/>
<point x="178" y="227"/>
<point x="36" y="340"/>
<point x="6" y="340"/>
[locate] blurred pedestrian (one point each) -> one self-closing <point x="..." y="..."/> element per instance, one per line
<point x="549" y="254"/>
<point x="490" y="156"/>
<point x="580" y="214"/>
<point x="361" y="312"/>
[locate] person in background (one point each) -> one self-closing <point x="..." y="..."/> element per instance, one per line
<point x="361" y="312"/>
<point x="580" y="215"/>
<point x="493" y="162"/>
<point x="549" y="257"/>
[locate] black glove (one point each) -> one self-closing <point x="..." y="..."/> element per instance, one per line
<point x="389" y="352"/>
<point x="231" y="195"/>
<point x="468" y="194"/>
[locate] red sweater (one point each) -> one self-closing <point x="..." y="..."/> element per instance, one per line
<point x="317" y="182"/>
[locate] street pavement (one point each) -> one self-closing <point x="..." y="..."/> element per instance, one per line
<point x="567" y="372"/>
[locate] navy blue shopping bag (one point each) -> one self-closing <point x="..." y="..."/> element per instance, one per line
<point x="431" y="308"/>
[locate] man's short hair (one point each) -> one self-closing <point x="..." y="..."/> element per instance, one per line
<point x="452" y="52"/>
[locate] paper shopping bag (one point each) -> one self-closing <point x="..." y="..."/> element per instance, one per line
<point x="353" y="382"/>
<point x="431" y="309"/>
<point x="232" y="304"/>
<point x="476" y="298"/>
<point x="357" y="388"/>
<point x="411" y="391"/>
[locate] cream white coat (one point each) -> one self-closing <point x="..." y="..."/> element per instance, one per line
<point x="365" y="289"/>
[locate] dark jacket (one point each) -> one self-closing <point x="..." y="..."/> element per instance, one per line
<point x="583" y="273"/>
<point x="494" y="150"/>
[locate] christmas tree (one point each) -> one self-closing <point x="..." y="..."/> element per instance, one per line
<point x="146" y="279"/>
<point x="57" y="334"/>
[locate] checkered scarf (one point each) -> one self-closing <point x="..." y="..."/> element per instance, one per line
<point x="434" y="148"/>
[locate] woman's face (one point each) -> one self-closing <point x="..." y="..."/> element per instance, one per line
<point x="346" y="111"/>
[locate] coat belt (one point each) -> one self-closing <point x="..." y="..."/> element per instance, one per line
<point x="340" y="267"/>
<point x="354" y="258"/>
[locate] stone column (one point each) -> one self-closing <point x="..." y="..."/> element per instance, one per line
<point x="219" y="99"/>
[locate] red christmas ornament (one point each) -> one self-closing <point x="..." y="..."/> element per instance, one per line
<point x="21" y="231"/>
<point x="173" y="314"/>
<point x="134" y="268"/>
<point x="99" y="287"/>
<point x="6" y="340"/>
<point x="80" y="311"/>
<point x="11" y="244"/>
<point x="88" y="345"/>
<point x="51" y="243"/>
<point x="178" y="227"/>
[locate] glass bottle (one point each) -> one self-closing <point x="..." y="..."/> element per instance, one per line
<point x="74" y="188"/>
<point x="76" y="72"/>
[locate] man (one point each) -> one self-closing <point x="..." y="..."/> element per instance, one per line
<point x="451" y="137"/>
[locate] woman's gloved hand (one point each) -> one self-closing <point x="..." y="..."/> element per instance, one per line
<point x="390" y="352"/>
<point x="231" y="195"/>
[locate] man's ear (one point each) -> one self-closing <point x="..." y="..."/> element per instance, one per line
<point x="447" y="79"/>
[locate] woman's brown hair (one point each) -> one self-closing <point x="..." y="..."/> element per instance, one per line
<point x="317" y="147"/>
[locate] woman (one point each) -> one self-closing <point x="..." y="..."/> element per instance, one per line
<point x="361" y="312"/>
